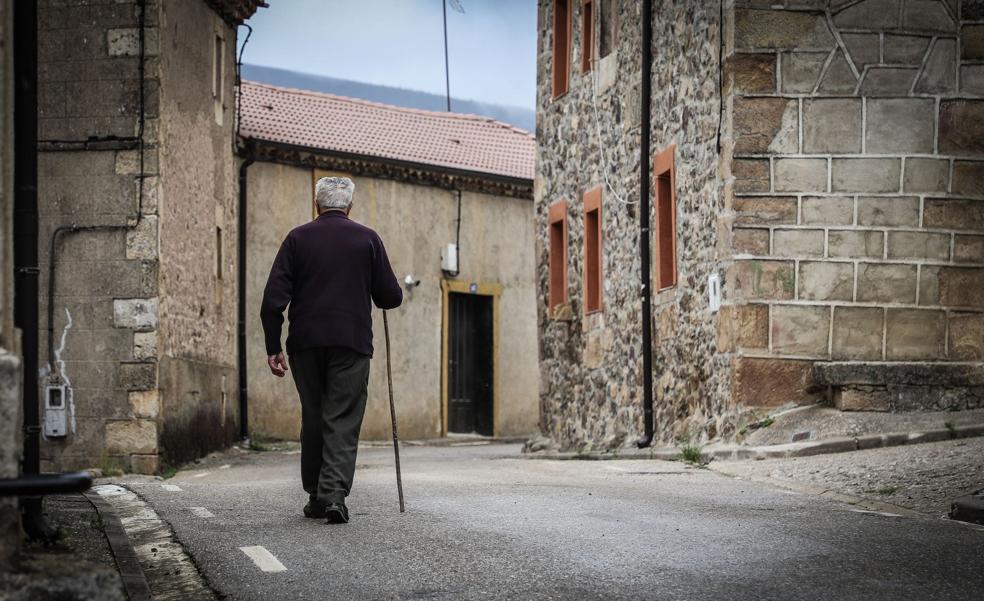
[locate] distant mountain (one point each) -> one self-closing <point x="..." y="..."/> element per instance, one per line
<point x="513" y="115"/>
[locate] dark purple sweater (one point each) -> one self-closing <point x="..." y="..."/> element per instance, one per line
<point x="328" y="270"/>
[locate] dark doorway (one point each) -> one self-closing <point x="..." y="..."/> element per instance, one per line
<point x="470" y="364"/>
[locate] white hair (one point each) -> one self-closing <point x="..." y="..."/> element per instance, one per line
<point x="334" y="192"/>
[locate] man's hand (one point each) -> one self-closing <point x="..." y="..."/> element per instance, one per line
<point x="278" y="364"/>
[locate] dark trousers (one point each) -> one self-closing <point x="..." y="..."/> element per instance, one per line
<point x="332" y="383"/>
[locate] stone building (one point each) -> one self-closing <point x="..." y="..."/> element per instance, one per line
<point x="817" y="167"/>
<point x="10" y="364"/>
<point x="464" y="340"/>
<point x="138" y="193"/>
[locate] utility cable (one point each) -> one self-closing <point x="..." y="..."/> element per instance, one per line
<point x="601" y="147"/>
<point x="141" y="175"/>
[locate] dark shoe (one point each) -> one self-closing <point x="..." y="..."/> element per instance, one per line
<point x="314" y="509"/>
<point x="336" y="513"/>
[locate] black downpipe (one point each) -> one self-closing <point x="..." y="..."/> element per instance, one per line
<point x="26" y="218"/>
<point x="241" y="325"/>
<point x="644" y="232"/>
<point x="26" y="269"/>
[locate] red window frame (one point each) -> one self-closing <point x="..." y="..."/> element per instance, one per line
<point x="561" y="46"/>
<point x="664" y="186"/>
<point x="593" y="252"/>
<point x="557" y="293"/>
<point x="587" y="35"/>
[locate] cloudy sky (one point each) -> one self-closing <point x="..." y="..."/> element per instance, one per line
<point x="400" y="43"/>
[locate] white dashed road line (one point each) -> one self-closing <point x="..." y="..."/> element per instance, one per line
<point x="171" y="487"/>
<point x="224" y="467"/>
<point x="201" y="475"/>
<point x="201" y="512"/>
<point x="263" y="559"/>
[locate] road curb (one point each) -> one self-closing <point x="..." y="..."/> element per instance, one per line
<point x="780" y="451"/>
<point x="969" y="508"/>
<point x="127" y="562"/>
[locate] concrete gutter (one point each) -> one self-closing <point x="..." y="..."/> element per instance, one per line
<point x="127" y="561"/>
<point x="735" y="452"/>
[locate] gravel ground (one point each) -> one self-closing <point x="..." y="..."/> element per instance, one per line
<point x="81" y="528"/>
<point x="79" y="566"/>
<point x="923" y="477"/>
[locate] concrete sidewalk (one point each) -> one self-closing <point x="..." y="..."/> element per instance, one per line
<point x="802" y="432"/>
<point x="923" y="478"/>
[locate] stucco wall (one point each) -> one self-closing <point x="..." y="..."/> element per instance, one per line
<point x="414" y="221"/>
<point x="199" y="193"/>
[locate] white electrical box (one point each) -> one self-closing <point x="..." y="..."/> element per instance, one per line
<point x="714" y="292"/>
<point x="55" y="413"/>
<point x="449" y="258"/>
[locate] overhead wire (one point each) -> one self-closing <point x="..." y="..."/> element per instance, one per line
<point x="601" y="146"/>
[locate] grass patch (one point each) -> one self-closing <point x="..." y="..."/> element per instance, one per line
<point x="259" y="445"/>
<point x="692" y="453"/>
<point x="169" y="473"/>
<point x="765" y="422"/>
<point x="112" y="467"/>
<point x="886" y="490"/>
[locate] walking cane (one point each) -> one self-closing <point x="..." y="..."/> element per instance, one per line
<point x="396" y="439"/>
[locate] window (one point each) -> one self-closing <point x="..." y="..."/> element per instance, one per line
<point x="608" y="15"/>
<point x="561" y="46"/>
<point x="665" y="188"/>
<point x="593" y="248"/>
<point x="218" y="78"/>
<point x="558" y="254"/>
<point x="587" y="35"/>
<point x="218" y="59"/>
<point x="218" y="253"/>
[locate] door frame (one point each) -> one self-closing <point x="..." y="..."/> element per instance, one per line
<point x="481" y="289"/>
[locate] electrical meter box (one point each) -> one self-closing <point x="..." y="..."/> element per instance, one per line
<point x="55" y="410"/>
<point x="449" y="258"/>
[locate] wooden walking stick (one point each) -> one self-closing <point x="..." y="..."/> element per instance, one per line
<point x="396" y="438"/>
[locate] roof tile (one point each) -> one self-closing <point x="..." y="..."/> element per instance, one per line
<point x="336" y="123"/>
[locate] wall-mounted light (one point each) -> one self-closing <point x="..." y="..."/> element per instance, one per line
<point x="410" y="282"/>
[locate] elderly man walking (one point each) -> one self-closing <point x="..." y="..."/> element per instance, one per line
<point x="328" y="271"/>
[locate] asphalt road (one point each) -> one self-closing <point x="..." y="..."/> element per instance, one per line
<point x="483" y="523"/>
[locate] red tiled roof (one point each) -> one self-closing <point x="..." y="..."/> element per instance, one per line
<point x="340" y="124"/>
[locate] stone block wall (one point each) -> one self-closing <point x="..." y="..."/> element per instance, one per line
<point x="857" y="199"/>
<point x="107" y="282"/>
<point x="144" y="326"/>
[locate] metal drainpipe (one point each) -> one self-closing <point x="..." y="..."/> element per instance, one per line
<point x="644" y="232"/>
<point x="241" y="325"/>
<point x="26" y="247"/>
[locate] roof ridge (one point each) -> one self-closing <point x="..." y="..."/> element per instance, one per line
<point x="403" y="109"/>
